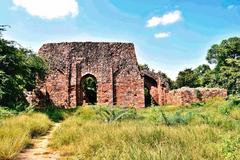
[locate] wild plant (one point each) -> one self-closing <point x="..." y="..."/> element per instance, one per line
<point x="112" y="114"/>
<point x="233" y="102"/>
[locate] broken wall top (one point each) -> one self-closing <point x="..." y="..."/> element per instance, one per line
<point x="113" y="55"/>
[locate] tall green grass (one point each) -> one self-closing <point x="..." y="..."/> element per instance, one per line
<point x="191" y="132"/>
<point x="132" y="140"/>
<point x="17" y="131"/>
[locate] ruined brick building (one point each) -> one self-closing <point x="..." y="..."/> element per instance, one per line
<point x="113" y="66"/>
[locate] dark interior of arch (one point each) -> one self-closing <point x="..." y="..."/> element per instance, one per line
<point x="147" y="96"/>
<point x="89" y="88"/>
<point x="148" y="83"/>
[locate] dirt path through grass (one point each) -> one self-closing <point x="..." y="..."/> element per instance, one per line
<point x="40" y="149"/>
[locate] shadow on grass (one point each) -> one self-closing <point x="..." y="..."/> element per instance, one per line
<point x="57" y="114"/>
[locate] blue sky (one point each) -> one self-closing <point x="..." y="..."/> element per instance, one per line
<point x="169" y="35"/>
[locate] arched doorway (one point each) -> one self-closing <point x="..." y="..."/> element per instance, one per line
<point x="150" y="91"/>
<point x="89" y="89"/>
<point x="147" y="97"/>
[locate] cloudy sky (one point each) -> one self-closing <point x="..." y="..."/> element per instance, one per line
<point x="169" y="35"/>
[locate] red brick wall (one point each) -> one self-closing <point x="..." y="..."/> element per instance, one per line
<point x="114" y="65"/>
<point x="187" y="95"/>
<point x="119" y="79"/>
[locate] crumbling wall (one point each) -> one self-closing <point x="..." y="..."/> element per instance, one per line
<point x="114" y="65"/>
<point x="157" y="84"/>
<point x="119" y="79"/>
<point x="187" y="95"/>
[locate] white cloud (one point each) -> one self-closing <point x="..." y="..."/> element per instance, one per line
<point x="49" y="9"/>
<point x="162" y="35"/>
<point x="168" y="18"/>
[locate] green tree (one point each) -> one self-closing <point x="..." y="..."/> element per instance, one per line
<point x="226" y="57"/>
<point x="18" y="70"/>
<point x="227" y="49"/>
<point x="187" y="78"/>
<point x="202" y="74"/>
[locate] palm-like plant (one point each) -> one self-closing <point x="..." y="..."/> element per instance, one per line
<point x="110" y="114"/>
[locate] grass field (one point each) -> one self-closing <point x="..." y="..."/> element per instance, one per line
<point x="16" y="132"/>
<point x="197" y="131"/>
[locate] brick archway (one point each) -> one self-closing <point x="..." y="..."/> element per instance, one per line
<point x="87" y="89"/>
<point x="150" y="91"/>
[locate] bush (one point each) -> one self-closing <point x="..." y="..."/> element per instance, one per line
<point x="16" y="132"/>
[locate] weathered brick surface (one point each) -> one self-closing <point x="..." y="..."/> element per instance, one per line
<point x="119" y="79"/>
<point x="157" y="84"/>
<point x="113" y="64"/>
<point x="187" y="95"/>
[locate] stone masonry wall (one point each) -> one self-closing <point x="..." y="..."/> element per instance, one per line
<point x="114" y="65"/>
<point x="187" y="95"/>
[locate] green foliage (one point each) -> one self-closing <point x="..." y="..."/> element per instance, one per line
<point x="233" y="102"/>
<point x="18" y="70"/>
<point x="187" y="78"/>
<point x="177" y="118"/>
<point x="165" y="119"/>
<point x="226" y="58"/>
<point x="229" y="76"/>
<point x="227" y="49"/>
<point x="113" y="114"/>
<point x="202" y="73"/>
<point x="144" y="67"/>
<point x="6" y="112"/>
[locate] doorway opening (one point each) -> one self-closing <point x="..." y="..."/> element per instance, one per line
<point x="89" y="89"/>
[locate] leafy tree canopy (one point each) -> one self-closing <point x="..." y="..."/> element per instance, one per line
<point x="18" y="70"/>
<point x="187" y="78"/>
<point x="227" y="49"/>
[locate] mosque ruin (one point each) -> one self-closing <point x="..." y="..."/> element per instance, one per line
<point x="112" y="71"/>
